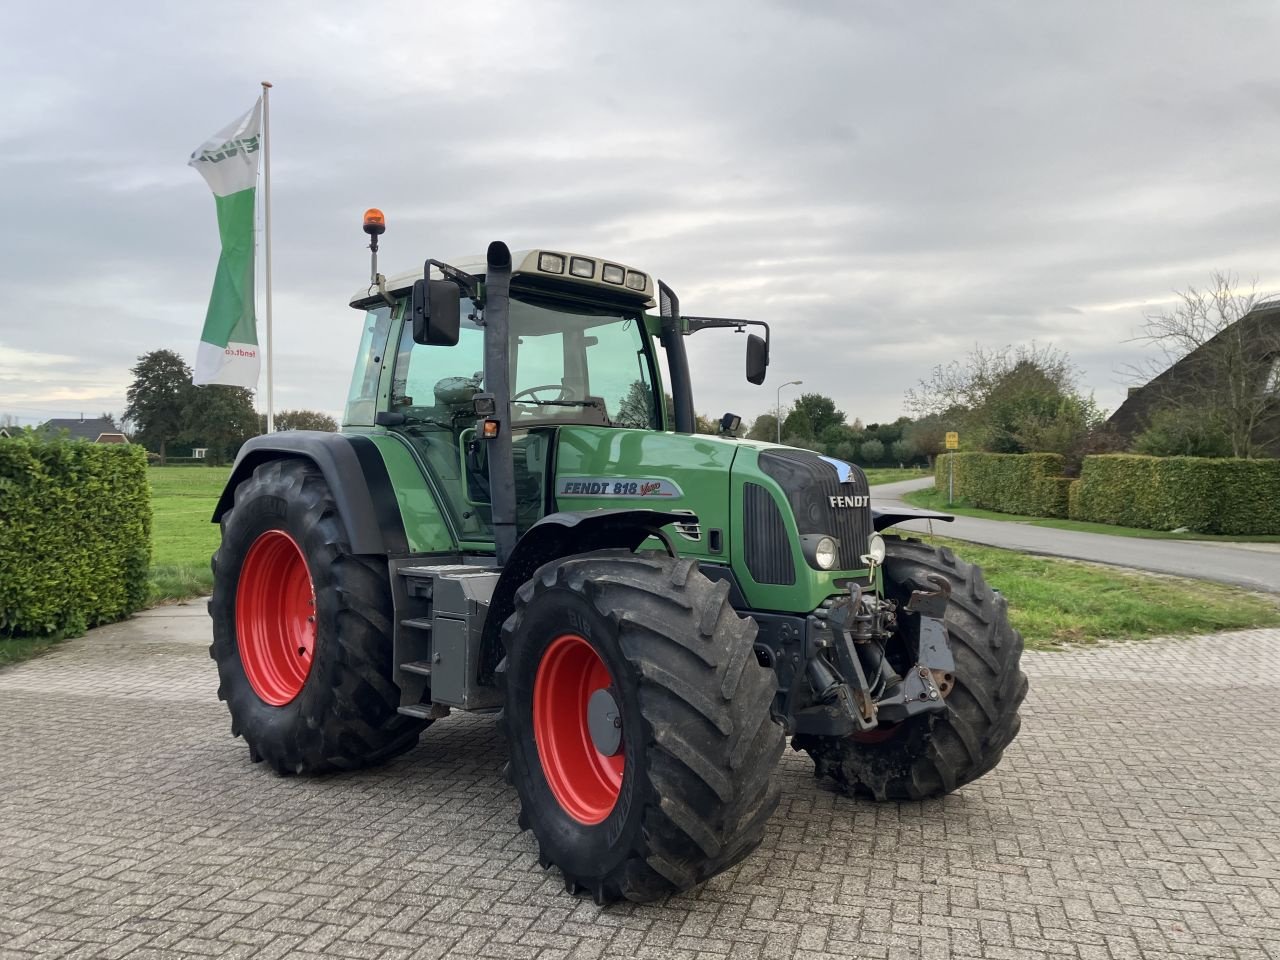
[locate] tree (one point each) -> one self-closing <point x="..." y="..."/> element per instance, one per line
<point x="820" y="412"/>
<point x="872" y="452"/>
<point x="1227" y="373"/>
<point x="301" y="420"/>
<point x="765" y="427"/>
<point x="904" y="451"/>
<point x="220" y="418"/>
<point x="797" y="424"/>
<point x="1182" y="432"/>
<point x="156" y="399"/>
<point x="1013" y="400"/>
<point x="928" y="435"/>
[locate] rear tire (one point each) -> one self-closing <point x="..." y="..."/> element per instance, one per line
<point x="334" y="708"/>
<point x="932" y="754"/>
<point x="690" y="789"/>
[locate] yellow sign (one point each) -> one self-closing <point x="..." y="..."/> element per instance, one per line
<point x="953" y="440"/>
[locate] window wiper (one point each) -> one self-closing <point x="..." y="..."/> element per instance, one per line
<point x="592" y="402"/>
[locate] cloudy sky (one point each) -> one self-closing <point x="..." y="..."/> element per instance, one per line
<point x="888" y="184"/>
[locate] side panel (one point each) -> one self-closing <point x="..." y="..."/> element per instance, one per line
<point x="599" y="467"/>
<point x="425" y="528"/>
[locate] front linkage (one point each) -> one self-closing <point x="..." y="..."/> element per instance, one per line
<point x="854" y="685"/>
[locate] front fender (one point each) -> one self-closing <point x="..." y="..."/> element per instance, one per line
<point x="564" y="534"/>
<point x="887" y="518"/>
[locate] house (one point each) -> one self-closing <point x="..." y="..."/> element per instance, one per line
<point x="1203" y="369"/>
<point x="97" y="430"/>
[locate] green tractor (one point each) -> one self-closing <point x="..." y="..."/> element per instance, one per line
<point x="512" y="522"/>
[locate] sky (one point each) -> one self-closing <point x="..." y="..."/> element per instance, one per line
<point x="888" y="185"/>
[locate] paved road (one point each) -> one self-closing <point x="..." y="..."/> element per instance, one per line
<point x="1122" y="825"/>
<point x="1256" y="566"/>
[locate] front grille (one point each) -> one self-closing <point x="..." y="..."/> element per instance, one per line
<point x="766" y="546"/>
<point x="809" y="481"/>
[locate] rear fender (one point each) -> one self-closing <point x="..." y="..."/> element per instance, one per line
<point x="355" y="473"/>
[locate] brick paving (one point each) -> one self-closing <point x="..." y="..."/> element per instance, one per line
<point x="1137" y="816"/>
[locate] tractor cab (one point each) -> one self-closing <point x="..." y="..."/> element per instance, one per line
<point x="580" y="351"/>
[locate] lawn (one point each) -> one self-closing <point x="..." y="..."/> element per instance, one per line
<point x="878" y="475"/>
<point x="182" y="538"/>
<point x="1057" y="603"/>
<point x="937" y="500"/>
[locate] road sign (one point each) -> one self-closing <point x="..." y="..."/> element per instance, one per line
<point x="953" y="440"/>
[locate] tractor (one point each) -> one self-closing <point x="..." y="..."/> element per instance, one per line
<point x="512" y="521"/>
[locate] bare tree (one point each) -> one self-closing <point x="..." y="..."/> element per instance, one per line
<point x="1217" y="363"/>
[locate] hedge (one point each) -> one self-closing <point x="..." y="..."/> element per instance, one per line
<point x="75" y="534"/>
<point x="1027" y="483"/>
<point x="1205" y="495"/>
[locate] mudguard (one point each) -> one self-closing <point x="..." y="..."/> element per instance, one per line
<point x="561" y="535"/>
<point x="357" y="477"/>
<point x="887" y="518"/>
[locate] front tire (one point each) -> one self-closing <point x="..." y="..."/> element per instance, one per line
<point x="676" y="785"/>
<point x="302" y="630"/>
<point x="933" y="754"/>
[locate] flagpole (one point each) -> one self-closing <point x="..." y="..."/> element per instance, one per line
<point x="266" y="206"/>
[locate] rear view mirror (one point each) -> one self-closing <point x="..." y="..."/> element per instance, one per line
<point x="757" y="358"/>
<point x="435" y="310"/>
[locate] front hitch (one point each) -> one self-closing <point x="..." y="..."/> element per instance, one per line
<point x="873" y="693"/>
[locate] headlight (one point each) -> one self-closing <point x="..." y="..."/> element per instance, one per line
<point x="876" y="549"/>
<point x="820" y="551"/>
<point x="825" y="553"/>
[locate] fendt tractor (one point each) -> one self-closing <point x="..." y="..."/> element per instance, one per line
<point x="512" y="522"/>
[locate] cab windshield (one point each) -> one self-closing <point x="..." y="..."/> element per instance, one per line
<point x="568" y="364"/>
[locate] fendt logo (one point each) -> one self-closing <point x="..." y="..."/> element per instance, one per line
<point x="231" y="148"/>
<point x="861" y="500"/>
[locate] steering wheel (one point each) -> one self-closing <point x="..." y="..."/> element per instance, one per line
<point x="558" y="387"/>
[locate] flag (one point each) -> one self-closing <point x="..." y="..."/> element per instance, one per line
<point x="228" y="161"/>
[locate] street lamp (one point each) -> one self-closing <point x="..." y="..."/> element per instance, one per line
<point x="789" y="383"/>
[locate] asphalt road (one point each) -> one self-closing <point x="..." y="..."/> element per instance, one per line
<point x="1256" y="566"/>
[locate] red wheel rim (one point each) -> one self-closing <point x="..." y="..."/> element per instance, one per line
<point x="275" y="618"/>
<point x="584" y="780"/>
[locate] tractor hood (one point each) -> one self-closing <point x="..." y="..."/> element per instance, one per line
<point x="755" y="503"/>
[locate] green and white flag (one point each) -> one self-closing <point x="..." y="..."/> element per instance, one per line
<point x="228" y="161"/>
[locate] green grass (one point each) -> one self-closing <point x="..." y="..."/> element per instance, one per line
<point x="1057" y="603"/>
<point x="878" y="475"/>
<point x="182" y="538"/>
<point x="937" y="500"/>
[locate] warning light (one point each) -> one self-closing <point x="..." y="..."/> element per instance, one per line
<point x="374" y="222"/>
<point x="490" y="429"/>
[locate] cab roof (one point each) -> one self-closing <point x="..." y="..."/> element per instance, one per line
<point x="527" y="264"/>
